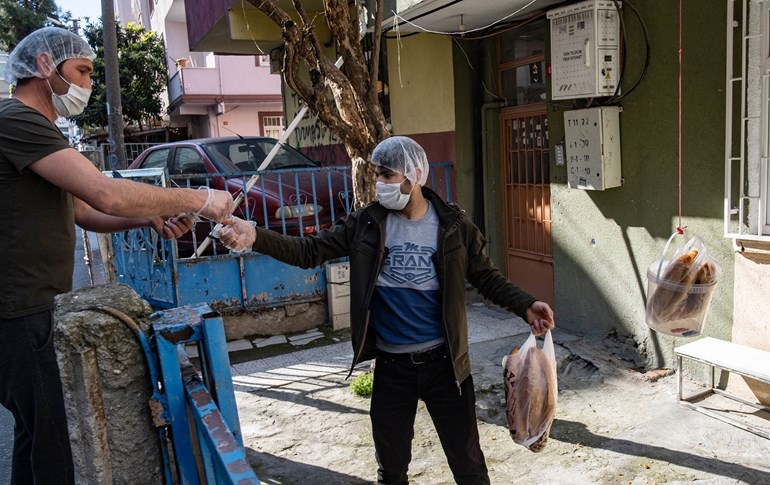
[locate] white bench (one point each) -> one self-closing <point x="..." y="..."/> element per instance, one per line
<point x="731" y="357"/>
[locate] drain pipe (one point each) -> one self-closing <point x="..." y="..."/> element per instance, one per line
<point x="485" y="108"/>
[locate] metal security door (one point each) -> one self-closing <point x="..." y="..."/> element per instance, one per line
<point x="527" y="195"/>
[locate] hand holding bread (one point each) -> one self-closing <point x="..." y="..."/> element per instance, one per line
<point x="530" y="393"/>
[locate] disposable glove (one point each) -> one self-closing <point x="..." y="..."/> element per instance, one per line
<point x="238" y="235"/>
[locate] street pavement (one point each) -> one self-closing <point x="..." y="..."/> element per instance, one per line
<point x="302" y="424"/>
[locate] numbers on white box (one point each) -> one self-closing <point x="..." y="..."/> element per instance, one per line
<point x="593" y="152"/>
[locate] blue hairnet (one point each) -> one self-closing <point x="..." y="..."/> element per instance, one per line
<point x="61" y="44"/>
<point x="402" y="155"/>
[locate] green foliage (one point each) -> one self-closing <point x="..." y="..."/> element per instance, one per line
<point x="20" y="17"/>
<point x="142" y="71"/>
<point x="363" y="384"/>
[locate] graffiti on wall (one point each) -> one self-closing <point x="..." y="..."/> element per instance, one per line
<point x="328" y="155"/>
<point x="311" y="132"/>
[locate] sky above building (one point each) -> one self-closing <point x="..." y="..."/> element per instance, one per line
<point x="82" y="8"/>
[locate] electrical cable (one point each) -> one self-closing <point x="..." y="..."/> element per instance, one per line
<point x="679" y="228"/>
<point x="621" y="51"/>
<point x="403" y="20"/>
<point x="507" y="27"/>
<point x="400" y="36"/>
<point x="483" y="84"/>
<point x="646" y="67"/>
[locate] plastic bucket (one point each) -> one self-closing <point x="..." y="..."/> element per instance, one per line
<point x="673" y="308"/>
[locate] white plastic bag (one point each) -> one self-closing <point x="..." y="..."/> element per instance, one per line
<point x="679" y="291"/>
<point x="529" y="376"/>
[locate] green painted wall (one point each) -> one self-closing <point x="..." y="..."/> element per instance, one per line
<point x="477" y="122"/>
<point x="605" y="241"/>
<point x="490" y="129"/>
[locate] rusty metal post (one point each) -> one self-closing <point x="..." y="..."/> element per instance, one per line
<point x="205" y="430"/>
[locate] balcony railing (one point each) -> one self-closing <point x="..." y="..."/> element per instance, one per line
<point x="175" y="89"/>
<point x="195" y="81"/>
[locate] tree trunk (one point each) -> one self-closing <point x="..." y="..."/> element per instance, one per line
<point x="363" y="181"/>
<point x="343" y="98"/>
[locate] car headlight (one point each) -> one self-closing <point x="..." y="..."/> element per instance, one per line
<point x="297" y="210"/>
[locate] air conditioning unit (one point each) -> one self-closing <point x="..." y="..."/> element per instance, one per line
<point x="584" y="50"/>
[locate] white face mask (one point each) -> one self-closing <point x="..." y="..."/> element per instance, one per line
<point x="71" y="103"/>
<point x="390" y="196"/>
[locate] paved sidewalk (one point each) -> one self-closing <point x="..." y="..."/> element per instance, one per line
<point x="302" y="424"/>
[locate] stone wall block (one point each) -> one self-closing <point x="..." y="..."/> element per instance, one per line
<point x="275" y="321"/>
<point x="106" y="387"/>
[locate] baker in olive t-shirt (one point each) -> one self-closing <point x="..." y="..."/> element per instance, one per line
<point x="45" y="188"/>
<point x="36" y="250"/>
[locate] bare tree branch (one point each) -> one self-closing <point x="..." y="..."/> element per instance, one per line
<point x="270" y="9"/>
<point x="343" y="99"/>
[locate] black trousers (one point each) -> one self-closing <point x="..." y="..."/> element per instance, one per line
<point x="30" y="388"/>
<point x="397" y="387"/>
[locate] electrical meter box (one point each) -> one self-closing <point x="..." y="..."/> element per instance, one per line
<point x="592" y="139"/>
<point x="584" y="50"/>
<point x="338" y="292"/>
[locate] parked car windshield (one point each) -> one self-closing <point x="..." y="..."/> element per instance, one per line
<point x="247" y="155"/>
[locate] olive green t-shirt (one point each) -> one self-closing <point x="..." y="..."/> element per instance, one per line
<point x="38" y="241"/>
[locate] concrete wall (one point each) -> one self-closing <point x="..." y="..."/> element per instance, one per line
<point x="752" y="307"/>
<point x="230" y="75"/>
<point x="421" y="86"/>
<point x="422" y="96"/>
<point x="177" y="48"/>
<point x="242" y="119"/>
<point x="241" y="75"/>
<point x="752" y="259"/>
<point x="605" y="241"/>
<point x="106" y="387"/>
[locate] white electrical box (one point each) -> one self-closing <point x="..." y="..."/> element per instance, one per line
<point x="584" y="50"/>
<point x="592" y="139"/>
<point x="338" y="293"/>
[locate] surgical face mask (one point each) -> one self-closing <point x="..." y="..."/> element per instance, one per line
<point x="71" y="103"/>
<point x="390" y="196"/>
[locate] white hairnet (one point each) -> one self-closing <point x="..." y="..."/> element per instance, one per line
<point x="402" y="155"/>
<point x="61" y="44"/>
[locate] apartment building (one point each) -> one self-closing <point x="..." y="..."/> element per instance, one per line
<point x="209" y="95"/>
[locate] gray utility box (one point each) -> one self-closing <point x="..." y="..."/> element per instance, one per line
<point x="592" y="142"/>
<point x="338" y="291"/>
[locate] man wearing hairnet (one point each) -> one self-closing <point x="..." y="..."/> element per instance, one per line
<point x="410" y="254"/>
<point x="45" y="188"/>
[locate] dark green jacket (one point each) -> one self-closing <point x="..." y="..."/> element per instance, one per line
<point x="460" y="254"/>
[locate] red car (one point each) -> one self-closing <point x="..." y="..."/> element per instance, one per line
<point x="295" y="196"/>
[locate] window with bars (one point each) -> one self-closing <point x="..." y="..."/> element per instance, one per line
<point x="747" y="139"/>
